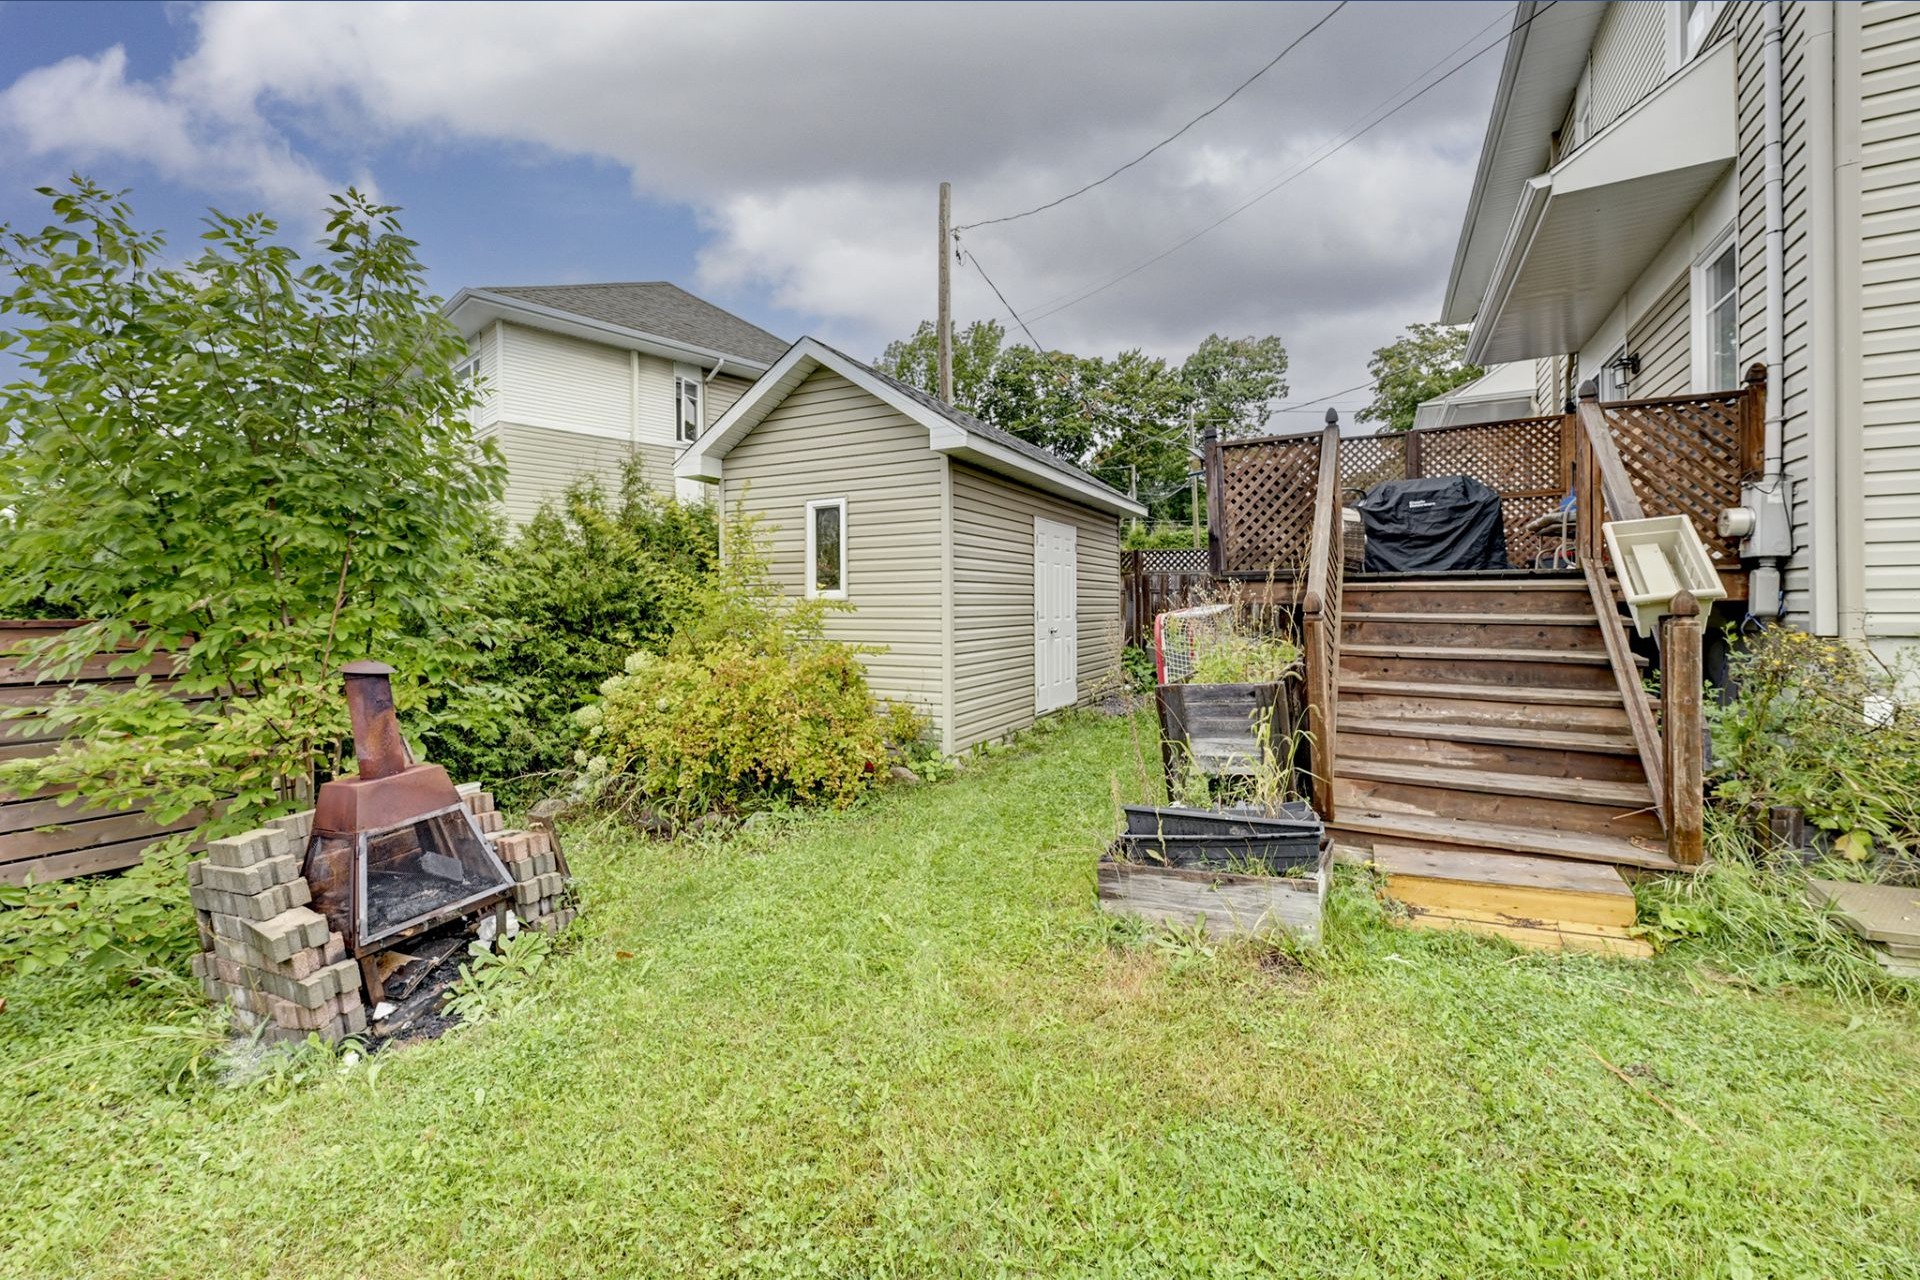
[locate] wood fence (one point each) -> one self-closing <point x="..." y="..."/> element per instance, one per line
<point x="1682" y="455"/>
<point x="1154" y="581"/>
<point x="38" y="835"/>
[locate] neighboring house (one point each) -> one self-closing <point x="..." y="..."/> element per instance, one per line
<point x="578" y="378"/>
<point x="1670" y="193"/>
<point x="987" y="568"/>
<point x="1501" y="394"/>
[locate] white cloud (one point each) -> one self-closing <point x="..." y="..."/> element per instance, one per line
<point x="808" y="141"/>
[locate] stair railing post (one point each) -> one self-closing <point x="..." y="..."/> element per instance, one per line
<point x="1212" y="474"/>
<point x="1681" y="682"/>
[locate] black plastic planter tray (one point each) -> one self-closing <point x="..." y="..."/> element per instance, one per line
<point x="1277" y="853"/>
<point x="1294" y="818"/>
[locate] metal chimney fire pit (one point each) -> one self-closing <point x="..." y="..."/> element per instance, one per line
<point x="394" y="852"/>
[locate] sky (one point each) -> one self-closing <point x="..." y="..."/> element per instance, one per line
<point x="783" y="161"/>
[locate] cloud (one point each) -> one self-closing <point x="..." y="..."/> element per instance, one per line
<point x="807" y="142"/>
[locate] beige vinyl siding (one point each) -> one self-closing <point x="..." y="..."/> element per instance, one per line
<point x="829" y="439"/>
<point x="550" y="380"/>
<point x="543" y="463"/>
<point x="1887" y="317"/>
<point x="1629" y="59"/>
<point x="993" y="601"/>
<point x="1663" y="338"/>
<point x="486" y="346"/>
<point x="721" y="393"/>
<point x="1793" y="396"/>
<point x="655" y="414"/>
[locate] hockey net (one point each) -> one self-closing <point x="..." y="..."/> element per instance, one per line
<point x="1182" y="635"/>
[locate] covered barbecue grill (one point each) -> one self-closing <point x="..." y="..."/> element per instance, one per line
<point x="1439" y="524"/>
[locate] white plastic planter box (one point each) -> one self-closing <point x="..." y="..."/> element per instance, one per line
<point x="1658" y="558"/>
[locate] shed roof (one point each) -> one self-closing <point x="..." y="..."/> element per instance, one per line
<point x="949" y="430"/>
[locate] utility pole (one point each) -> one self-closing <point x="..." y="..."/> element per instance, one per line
<point x="944" y="322"/>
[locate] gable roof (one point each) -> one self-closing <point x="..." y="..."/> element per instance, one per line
<point x="949" y="430"/>
<point x="651" y="314"/>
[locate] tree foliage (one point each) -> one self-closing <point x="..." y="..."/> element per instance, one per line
<point x="256" y="464"/>
<point x="589" y="580"/>
<point x="1426" y="361"/>
<point x="1129" y="419"/>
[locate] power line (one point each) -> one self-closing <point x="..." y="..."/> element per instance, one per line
<point x="1326" y="152"/>
<point x="1286" y="405"/>
<point x="1172" y="137"/>
<point x="970" y="256"/>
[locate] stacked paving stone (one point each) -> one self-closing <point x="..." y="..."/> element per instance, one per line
<point x="264" y="950"/>
<point x="541" y="897"/>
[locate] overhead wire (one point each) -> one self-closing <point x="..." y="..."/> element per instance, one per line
<point x="1062" y="302"/>
<point x="1170" y="138"/>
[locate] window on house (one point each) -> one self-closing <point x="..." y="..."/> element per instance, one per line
<point x="1696" y="20"/>
<point x="1716" y="337"/>
<point x="467" y="370"/>
<point x="686" y="395"/>
<point x="827" y="549"/>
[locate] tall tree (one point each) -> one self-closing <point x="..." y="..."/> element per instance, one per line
<point x="247" y="469"/>
<point x="1426" y="361"/>
<point x="1234" y="382"/>
<point x="916" y="360"/>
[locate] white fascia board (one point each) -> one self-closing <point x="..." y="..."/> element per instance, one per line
<point x="471" y="310"/>
<point x="1526" y="224"/>
<point x="702" y="460"/>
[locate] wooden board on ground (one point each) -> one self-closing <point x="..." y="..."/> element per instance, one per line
<point x="1877" y="912"/>
<point x="1604" y="940"/>
<point x="1506" y="887"/>
<point x="1221" y="902"/>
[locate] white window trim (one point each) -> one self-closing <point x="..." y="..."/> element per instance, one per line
<point x="1697" y="299"/>
<point x="694" y="380"/>
<point x="468" y="370"/>
<point x="813" y="592"/>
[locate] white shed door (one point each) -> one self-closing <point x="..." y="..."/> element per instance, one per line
<point x="1055" y="619"/>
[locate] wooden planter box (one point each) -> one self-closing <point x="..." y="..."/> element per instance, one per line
<point x="1224" y="903"/>
<point x="1216" y="728"/>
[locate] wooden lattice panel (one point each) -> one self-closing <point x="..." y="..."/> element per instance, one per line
<point x="1521" y="460"/>
<point x="1685" y="457"/>
<point x="1268" y="492"/>
<point x="1174" y="560"/>
<point x="1366" y="461"/>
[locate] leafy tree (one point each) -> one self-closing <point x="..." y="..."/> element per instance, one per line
<point x="916" y="360"/>
<point x="259" y="465"/>
<point x="1426" y="361"/>
<point x="590" y="579"/>
<point x="1235" y="382"/>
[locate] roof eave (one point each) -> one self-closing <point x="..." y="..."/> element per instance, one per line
<point x="488" y="306"/>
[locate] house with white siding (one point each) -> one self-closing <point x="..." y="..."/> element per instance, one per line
<point x="1670" y="193"/>
<point x="984" y="570"/>
<point x="578" y="378"/>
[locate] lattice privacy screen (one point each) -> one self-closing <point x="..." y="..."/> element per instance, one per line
<point x="1685" y="457"/>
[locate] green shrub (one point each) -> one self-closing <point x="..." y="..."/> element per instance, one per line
<point x="1156" y="537"/>
<point x="105" y="926"/>
<point x="589" y="580"/>
<point x="1820" y="724"/>
<point x="751" y="705"/>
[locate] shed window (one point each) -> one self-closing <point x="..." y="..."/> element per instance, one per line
<point x="1716" y="292"/>
<point x="686" y="395"/>
<point x="827" y="549"/>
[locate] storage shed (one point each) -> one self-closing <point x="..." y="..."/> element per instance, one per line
<point x="987" y="568"/>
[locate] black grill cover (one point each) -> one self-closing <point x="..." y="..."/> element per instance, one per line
<point x="1435" y="525"/>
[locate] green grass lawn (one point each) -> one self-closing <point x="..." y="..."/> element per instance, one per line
<point x="902" y="1041"/>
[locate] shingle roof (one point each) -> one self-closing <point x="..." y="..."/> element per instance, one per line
<point x="966" y="421"/>
<point x="659" y="308"/>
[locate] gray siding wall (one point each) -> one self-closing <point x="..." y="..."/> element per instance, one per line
<point x="1885" y="313"/>
<point x="829" y="439"/>
<point x="1629" y="58"/>
<point x="993" y="601"/>
<point x="543" y="463"/>
<point x="1663" y="338"/>
<point x="1794" y="393"/>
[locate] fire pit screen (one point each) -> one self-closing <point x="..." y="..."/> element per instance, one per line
<point x="394" y="851"/>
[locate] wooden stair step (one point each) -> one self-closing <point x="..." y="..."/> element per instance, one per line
<point x="1419" y="585"/>
<point x="1468" y="619"/>
<point x="1481" y="693"/>
<point x="1463" y="653"/>
<point x="1601" y="940"/>
<point x="1356" y="721"/>
<point x="1625" y="795"/>
<point x="1358" y="827"/>
<point x="1512" y="888"/>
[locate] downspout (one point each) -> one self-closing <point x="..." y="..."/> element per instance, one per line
<point x="1824" y="341"/>
<point x="1766" y="583"/>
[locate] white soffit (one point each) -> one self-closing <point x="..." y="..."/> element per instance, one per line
<point x="1542" y="67"/>
<point x="1585" y="231"/>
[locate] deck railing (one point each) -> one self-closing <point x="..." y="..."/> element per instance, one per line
<point x="1320" y="615"/>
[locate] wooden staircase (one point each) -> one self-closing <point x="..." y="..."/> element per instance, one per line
<point x="1484" y="716"/>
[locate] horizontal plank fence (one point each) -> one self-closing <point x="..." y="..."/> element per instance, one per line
<point x="1156" y="580"/>
<point x="38" y="835"/>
